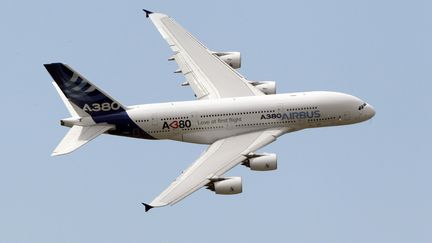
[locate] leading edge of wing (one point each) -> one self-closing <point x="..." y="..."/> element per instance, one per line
<point x="218" y="158"/>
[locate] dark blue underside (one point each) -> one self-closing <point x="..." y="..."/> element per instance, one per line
<point x="124" y="125"/>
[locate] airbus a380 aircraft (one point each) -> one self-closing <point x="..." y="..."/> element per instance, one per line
<point x="235" y="116"/>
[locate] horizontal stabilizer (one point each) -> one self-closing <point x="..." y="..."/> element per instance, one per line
<point x="77" y="136"/>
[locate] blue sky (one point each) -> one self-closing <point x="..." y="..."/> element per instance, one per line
<point x="369" y="182"/>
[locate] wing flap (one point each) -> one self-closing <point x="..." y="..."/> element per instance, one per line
<point x="191" y="76"/>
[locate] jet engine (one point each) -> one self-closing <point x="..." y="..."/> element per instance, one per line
<point x="267" y="87"/>
<point x="232" y="58"/>
<point x="226" y="186"/>
<point x="261" y="162"/>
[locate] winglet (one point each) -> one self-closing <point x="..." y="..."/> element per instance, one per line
<point x="147" y="12"/>
<point x="147" y="206"/>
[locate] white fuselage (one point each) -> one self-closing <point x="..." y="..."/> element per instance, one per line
<point x="205" y="121"/>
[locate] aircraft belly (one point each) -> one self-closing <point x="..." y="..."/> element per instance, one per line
<point x="202" y="137"/>
<point x="209" y="137"/>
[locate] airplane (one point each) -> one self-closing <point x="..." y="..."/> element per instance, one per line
<point x="233" y="115"/>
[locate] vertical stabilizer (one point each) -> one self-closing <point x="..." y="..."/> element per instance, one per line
<point x="82" y="95"/>
<point x="74" y="110"/>
<point x="93" y="111"/>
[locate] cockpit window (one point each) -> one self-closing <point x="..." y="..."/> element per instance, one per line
<point x="362" y="106"/>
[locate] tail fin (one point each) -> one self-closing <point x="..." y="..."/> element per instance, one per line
<point x="93" y="111"/>
<point x="85" y="103"/>
<point x="74" y="110"/>
<point x="83" y="96"/>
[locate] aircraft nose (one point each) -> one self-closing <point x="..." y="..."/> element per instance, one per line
<point x="370" y="111"/>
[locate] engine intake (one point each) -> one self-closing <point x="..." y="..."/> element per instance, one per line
<point x="267" y="87"/>
<point x="226" y="186"/>
<point x="261" y="162"/>
<point x="232" y="58"/>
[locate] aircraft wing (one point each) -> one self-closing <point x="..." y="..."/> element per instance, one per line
<point x="208" y="75"/>
<point x="219" y="157"/>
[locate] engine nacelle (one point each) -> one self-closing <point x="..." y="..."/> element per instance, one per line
<point x="226" y="186"/>
<point x="232" y="58"/>
<point x="262" y="162"/>
<point x="267" y="87"/>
